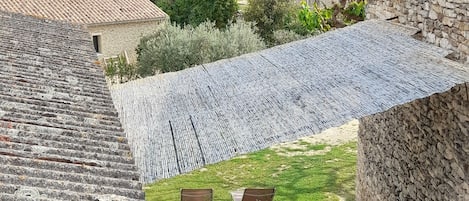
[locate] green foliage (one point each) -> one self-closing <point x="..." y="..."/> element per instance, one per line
<point x="118" y="70"/>
<point x="194" y="12"/>
<point x="323" y="19"/>
<point x="269" y="16"/>
<point x="174" y="48"/>
<point x="299" y="177"/>
<point x="355" y="11"/>
<point x="315" y="18"/>
<point x="285" y="36"/>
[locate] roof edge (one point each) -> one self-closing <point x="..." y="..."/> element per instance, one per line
<point x="128" y="21"/>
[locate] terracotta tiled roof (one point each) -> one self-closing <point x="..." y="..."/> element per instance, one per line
<point x="86" y="11"/>
<point x="60" y="135"/>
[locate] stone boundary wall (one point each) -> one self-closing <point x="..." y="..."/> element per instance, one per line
<point x="443" y="22"/>
<point x="416" y="151"/>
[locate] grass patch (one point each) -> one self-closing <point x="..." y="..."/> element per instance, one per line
<point x="316" y="147"/>
<point x="299" y="178"/>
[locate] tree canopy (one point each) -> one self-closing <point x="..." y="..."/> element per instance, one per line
<point x="194" y="12"/>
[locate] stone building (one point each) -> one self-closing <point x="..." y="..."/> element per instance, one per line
<point x="115" y="26"/>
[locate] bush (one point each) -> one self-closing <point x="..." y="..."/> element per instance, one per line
<point x="195" y="12"/>
<point x="285" y="36"/>
<point x="174" y="48"/>
<point x="118" y="70"/>
<point x="270" y="15"/>
<point x="323" y="19"/>
<point x="315" y="18"/>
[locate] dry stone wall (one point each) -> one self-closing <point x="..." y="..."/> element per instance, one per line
<point x="443" y="22"/>
<point x="417" y="151"/>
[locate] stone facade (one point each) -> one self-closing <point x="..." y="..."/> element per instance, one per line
<point x="443" y="22"/>
<point x="416" y="151"/>
<point x="117" y="38"/>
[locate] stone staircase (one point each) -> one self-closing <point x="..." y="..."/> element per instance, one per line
<point x="60" y="135"/>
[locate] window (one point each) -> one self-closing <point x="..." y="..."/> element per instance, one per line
<point x="97" y="43"/>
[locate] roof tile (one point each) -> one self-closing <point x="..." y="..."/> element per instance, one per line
<point x="87" y="11"/>
<point x="60" y="136"/>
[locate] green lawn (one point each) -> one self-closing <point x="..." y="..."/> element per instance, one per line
<point x="298" y="177"/>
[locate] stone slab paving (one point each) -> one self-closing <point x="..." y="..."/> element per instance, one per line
<point x="177" y="122"/>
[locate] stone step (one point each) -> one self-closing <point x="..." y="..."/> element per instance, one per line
<point x="51" y="136"/>
<point x="61" y="108"/>
<point x="56" y="120"/>
<point x="70" y="177"/>
<point x="71" y="186"/>
<point x="53" y="133"/>
<point x="7" y="192"/>
<point x="35" y="154"/>
<point x="47" y="152"/>
<point x="69" y="167"/>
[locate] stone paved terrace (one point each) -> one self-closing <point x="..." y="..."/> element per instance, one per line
<point x="60" y="136"/>
<point x="181" y="121"/>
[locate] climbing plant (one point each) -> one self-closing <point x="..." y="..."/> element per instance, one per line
<point x="339" y="15"/>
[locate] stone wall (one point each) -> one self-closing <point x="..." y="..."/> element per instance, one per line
<point x="416" y="151"/>
<point x="116" y="38"/>
<point x="443" y="22"/>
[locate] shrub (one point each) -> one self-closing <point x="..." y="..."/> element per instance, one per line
<point x="174" y="48"/>
<point x="355" y="11"/>
<point x="269" y="15"/>
<point x="323" y="19"/>
<point x="283" y="36"/>
<point x="118" y="70"/>
<point x="315" y="18"/>
<point x="194" y="12"/>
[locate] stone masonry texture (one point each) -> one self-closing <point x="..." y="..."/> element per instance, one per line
<point x="117" y="38"/>
<point x="443" y="22"/>
<point x="417" y="151"/>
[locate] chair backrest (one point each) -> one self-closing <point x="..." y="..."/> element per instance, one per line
<point x="196" y="194"/>
<point x="251" y="194"/>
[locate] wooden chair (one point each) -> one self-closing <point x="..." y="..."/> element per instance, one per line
<point x="196" y="194"/>
<point x="251" y="194"/>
